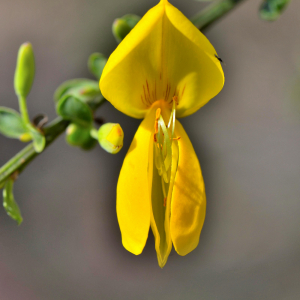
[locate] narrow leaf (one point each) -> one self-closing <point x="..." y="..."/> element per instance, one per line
<point x="39" y="140"/>
<point x="11" y="123"/>
<point x="83" y="89"/>
<point x="71" y="108"/>
<point x="9" y="203"/>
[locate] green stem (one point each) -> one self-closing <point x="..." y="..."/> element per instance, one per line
<point x="23" y="109"/>
<point x="213" y="13"/>
<point x="18" y="163"/>
<point x="25" y="156"/>
<point x="94" y="133"/>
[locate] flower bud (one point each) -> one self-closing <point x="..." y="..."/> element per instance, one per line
<point x="270" y="10"/>
<point x="77" y="135"/>
<point x="25" y="70"/>
<point x="121" y="27"/>
<point x="110" y="137"/>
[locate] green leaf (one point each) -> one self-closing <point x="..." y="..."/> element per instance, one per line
<point x="11" y="123"/>
<point x="39" y="140"/>
<point x="270" y="10"/>
<point x="96" y="63"/>
<point x="9" y="203"/>
<point x="83" y="89"/>
<point x="73" y="109"/>
<point x="122" y="26"/>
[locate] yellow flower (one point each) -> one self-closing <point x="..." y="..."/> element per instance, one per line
<point x="164" y="66"/>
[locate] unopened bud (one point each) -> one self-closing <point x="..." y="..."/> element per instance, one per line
<point x="110" y="137"/>
<point x="25" y="137"/>
<point x="77" y="135"/>
<point x="25" y="69"/>
<point x="271" y="10"/>
<point x="122" y="26"/>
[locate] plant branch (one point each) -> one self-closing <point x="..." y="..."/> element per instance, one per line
<point x="213" y="13"/>
<point x="18" y="163"/>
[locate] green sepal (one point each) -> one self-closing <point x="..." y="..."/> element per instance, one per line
<point x="25" y="69"/>
<point x="75" y="110"/>
<point x="38" y="139"/>
<point x="270" y="10"/>
<point x="83" y="89"/>
<point x="122" y="26"/>
<point x="11" y="124"/>
<point x="9" y="203"/>
<point x="96" y="64"/>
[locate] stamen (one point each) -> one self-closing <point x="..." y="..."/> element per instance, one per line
<point x="163" y="138"/>
<point x="157" y="115"/>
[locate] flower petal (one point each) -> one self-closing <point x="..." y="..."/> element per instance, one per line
<point x="133" y="193"/>
<point x="129" y="78"/>
<point x="191" y="67"/>
<point x="188" y="199"/>
<point x="164" y="55"/>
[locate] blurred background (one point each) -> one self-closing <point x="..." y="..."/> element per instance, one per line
<point x="247" y="140"/>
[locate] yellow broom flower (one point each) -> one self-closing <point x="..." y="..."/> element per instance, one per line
<point x="164" y="68"/>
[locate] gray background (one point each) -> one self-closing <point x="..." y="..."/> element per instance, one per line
<point x="247" y="140"/>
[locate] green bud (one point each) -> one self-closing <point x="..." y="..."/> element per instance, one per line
<point x="89" y="144"/>
<point x="83" y="89"/>
<point x="25" y="137"/>
<point x="96" y="64"/>
<point x="25" y="70"/>
<point x="270" y="10"/>
<point x="122" y="26"/>
<point x="110" y="137"/>
<point x="75" y="110"/>
<point x="77" y="135"/>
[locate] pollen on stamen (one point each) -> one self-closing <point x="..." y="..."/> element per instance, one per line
<point x="157" y="115"/>
<point x="175" y="98"/>
<point x="177" y="138"/>
<point x="165" y="201"/>
<point x="156" y="126"/>
<point x="155" y="138"/>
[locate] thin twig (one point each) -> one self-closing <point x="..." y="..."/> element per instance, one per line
<point x="26" y="155"/>
<point x="213" y="12"/>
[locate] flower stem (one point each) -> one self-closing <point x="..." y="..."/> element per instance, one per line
<point x="213" y="13"/>
<point x="23" y="109"/>
<point x="94" y="133"/>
